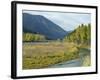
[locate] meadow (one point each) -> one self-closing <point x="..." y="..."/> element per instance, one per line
<point x="38" y="55"/>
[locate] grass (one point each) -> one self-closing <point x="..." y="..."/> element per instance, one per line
<point x="85" y="56"/>
<point x="43" y="55"/>
<point x="87" y="61"/>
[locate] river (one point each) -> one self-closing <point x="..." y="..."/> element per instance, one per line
<point x="73" y="63"/>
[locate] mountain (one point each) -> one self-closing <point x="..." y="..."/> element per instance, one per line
<point x="80" y="35"/>
<point x="38" y="24"/>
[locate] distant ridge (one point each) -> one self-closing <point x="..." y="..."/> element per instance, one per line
<point x="41" y="25"/>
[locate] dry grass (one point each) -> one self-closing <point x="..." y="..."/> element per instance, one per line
<point x="43" y="55"/>
<point x="87" y="61"/>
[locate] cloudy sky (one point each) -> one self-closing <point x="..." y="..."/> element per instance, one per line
<point x="66" y="20"/>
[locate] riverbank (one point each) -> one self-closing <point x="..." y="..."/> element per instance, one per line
<point x="83" y="60"/>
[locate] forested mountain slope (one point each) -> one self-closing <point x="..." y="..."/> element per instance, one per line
<point x="80" y="35"/>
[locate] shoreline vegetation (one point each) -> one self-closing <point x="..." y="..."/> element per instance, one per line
<point x="39" y="52"/>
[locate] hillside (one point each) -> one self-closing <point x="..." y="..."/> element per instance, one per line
<point x="80" y="35"/>
<point x="38" y="24"/>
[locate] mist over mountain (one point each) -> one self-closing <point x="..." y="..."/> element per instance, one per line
<point x="38" y="24"/>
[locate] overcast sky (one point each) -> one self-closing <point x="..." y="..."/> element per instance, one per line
<point x="68" y="21"/>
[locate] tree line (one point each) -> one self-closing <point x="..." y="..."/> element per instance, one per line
<point x="80" y="35"/>
<point x="33" y="37"/>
